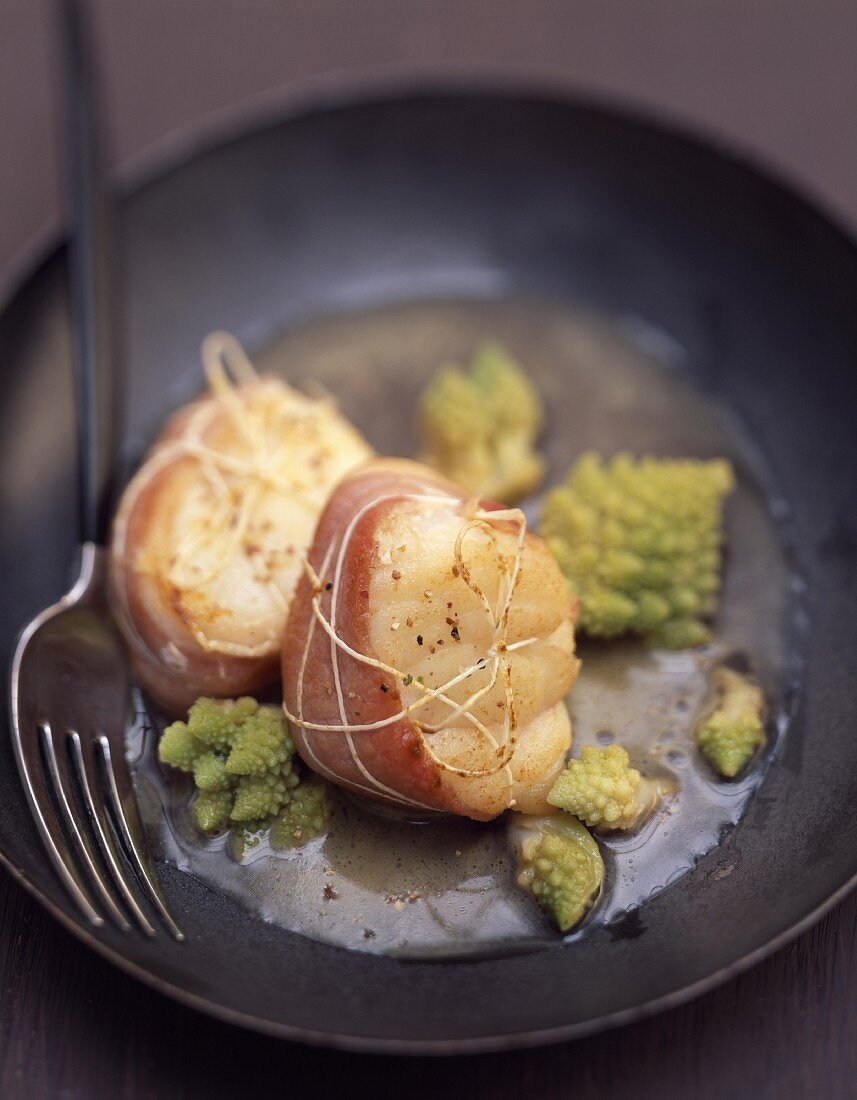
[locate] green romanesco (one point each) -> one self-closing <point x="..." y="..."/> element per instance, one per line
<point x="209" y="771"/>
<point x="560" y="865"/>
<point x="259" y="745"/>
<point x="240" y="756"/>
<point x="479" y="426"/>
<point x="214" y="722"/>
<point x="261" y="796"/>
<point x="304" y="816"/>
<point x="178" y="747"/>
<point x="730" y="736"/>
<point x="211" y="810"/>
<point x="640" y="544"/>
<point x="604" y="791"/>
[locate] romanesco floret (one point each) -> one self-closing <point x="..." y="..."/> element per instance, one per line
<point x="730" y="736"/>
<point x="178" y="747"/>
<point x="560" y="864"/>
<point x="240" y="756"/>
<point x="479" y="426"/>
<point x="258" y="746"/>
<point x="209" y="771"/>
<point x="211" y="810"/>
<point x="214" y="722"/>
<point x="261" y="796"/>
<point x="604" y="791"/>
<point x="303" y="817"/>
<point x="640" y="544"/>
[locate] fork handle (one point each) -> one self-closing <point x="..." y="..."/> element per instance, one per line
<point x="91" y="271"/>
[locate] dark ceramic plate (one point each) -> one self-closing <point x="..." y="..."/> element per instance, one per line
<point x="361" y="204"/>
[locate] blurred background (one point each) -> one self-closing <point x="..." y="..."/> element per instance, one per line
<point x="776" y="79"/>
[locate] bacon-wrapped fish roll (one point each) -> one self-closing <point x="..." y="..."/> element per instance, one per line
<point x="210" y="534"/>
<point x="429" y="648"/>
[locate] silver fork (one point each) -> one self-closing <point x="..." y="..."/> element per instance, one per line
<point x="71" y="702"/>
<point x="70" y="685"/>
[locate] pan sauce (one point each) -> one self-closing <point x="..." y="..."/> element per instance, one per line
<point x="446" y="887"/>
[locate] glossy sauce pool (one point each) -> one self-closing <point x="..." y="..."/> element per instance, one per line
<point x="447" y="887"/>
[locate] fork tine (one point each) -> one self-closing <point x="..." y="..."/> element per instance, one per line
<point x="81" y="844"/>
<point x="130" y="828"/>
<point x="98" y="819"/>
<point x="32" y="774"/>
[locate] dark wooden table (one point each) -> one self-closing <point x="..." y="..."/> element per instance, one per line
<point x="72" y="1026"/>
<point x="775" y="76"/>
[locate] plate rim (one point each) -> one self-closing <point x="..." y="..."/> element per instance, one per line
<point x="398" y="82"/>
<point x="520" y="1040"/>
